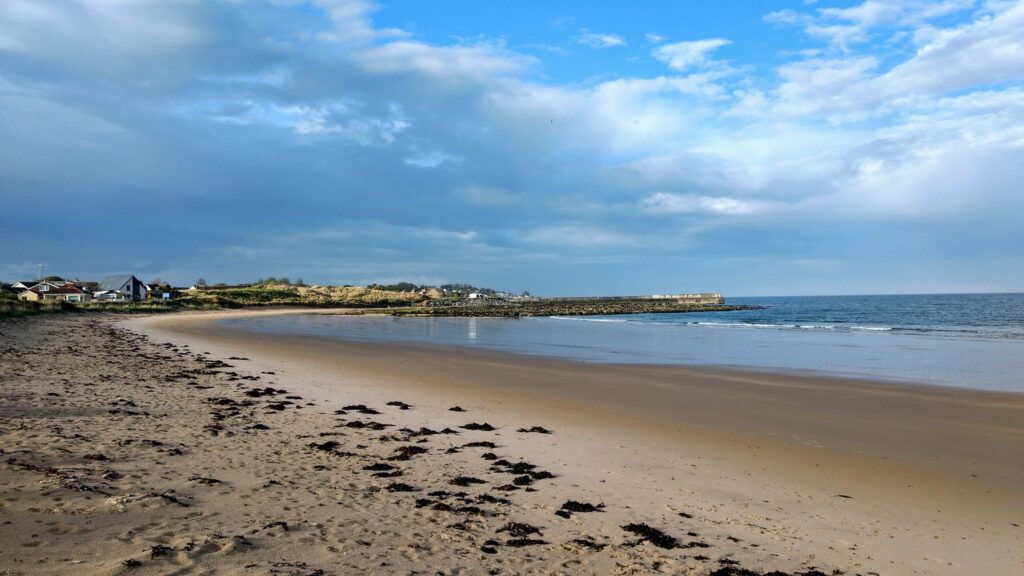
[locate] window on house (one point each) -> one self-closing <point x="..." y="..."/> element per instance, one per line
<point x="44" y="288"/>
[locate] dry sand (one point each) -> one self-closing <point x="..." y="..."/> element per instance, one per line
<point x="126" y="451"/>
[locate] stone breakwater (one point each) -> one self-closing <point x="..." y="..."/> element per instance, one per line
<point x="570" y="308"/>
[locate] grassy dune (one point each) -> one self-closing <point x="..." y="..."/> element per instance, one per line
<point x="10" y="305"/>
<point x="284" y="295"/>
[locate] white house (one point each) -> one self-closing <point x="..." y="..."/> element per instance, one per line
<point x="121" y="288"/>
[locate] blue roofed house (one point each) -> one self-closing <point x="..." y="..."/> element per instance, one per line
<point x="121" y="288"/>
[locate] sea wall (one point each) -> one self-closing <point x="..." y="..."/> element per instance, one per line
<point x="568" y="307"/>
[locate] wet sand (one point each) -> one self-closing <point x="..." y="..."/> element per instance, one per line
<point x="764" y="471"/>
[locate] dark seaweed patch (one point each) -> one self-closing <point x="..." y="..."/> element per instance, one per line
<point x="407" y="452"/>
<point x="361" y="408"/>
<point x="652" y="535"/>
<point x="520" y="542"/>
<point x="483" y="444"/>
<point x="519" y="529"/>
<point x="379" y="467"/>
<point x="574" y="506"/>
<point x="589" y="544"/>
<point x="400" y="487"/>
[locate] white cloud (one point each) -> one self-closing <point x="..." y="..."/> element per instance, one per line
<point x="639" y="116"/>
<point x="808" y="86"/>
<point x="80" y="28"/>
<point x="340" y="119"/>
<point x="986" y="51"/>
<point x="431" y="159"/>
<point x="950" y="159"/>
<point x="845" y="27"/>
<point x="683" y="56"/>
<point x="572" y="236"/>
<point x="442" y="234"/>
<point x="479" y="61"/>
<point x="361" y="232"/>
<point x="595" y="40"/>
<point x="350" y="22"/>
<point x="668" y="203"/>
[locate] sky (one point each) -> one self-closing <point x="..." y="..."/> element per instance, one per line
<point x="563" y="147"/>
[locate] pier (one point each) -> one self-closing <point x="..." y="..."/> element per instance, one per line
<point x="573" y="305"/>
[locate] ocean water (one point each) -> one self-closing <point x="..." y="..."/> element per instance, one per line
<point x="963" y="340"/>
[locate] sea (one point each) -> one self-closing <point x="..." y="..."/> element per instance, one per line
<point x="961" y="340"/>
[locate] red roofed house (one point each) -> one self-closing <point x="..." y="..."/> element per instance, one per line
<point x="48" y="291"/>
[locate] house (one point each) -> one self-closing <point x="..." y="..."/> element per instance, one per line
<point x="121" y="288"/>
<point x="432" y="293"/>
<point x="110" y="296"/>
<point x="22" y="286"/>
<point x="160" y="291"/>
<point x="49" y="291"/>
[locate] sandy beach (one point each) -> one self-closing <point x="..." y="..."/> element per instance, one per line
<point x="172" y="445"/>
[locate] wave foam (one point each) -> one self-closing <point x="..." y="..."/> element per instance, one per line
<point x="578" y="319"/>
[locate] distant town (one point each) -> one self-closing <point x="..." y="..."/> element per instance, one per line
<point x="127" y="293"/>
<point x="129" y="288"/>
<point x="112" y="289"/>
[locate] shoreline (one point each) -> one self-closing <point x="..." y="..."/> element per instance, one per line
<point x="758" y="437"/>
<point x="437" y="366"/>
<point x="540" y="352"/>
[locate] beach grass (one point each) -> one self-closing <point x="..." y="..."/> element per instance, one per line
<point x="12" y="306"/>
